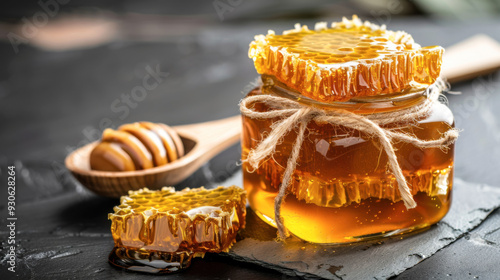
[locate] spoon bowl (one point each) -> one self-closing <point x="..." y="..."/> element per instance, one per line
<point x="202" y="141"/>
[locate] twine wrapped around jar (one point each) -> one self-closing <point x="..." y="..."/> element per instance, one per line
<point x="295" y="114"/>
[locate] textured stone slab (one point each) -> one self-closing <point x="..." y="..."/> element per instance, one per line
<point x="462" y="259"/>
<point x="377" y="260"/>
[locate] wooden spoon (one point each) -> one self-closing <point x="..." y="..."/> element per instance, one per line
<point x="475" y="56"/>
<point x="202" y="141"/>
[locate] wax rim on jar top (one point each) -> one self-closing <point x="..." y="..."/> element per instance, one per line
<point x="176" y="226"/>
<point x="349" y="59"/>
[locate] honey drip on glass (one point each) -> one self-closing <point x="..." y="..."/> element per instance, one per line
<point x="342" y="189"/>
<point x="349" y="59"/>
<point x="172" y="227"/>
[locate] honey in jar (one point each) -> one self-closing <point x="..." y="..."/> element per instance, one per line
<point x="342" y="189"/>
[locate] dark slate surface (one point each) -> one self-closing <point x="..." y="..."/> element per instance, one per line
<point x="466" y="254"/>
<point x="51" y="102"/>
<point x="380" y="259"/>
<point x="65" y="233"/>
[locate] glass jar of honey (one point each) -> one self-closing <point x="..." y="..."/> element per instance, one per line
<point x="342" y="188"/>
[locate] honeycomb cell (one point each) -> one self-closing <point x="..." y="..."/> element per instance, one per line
<point x="375" y="61"/>
<point x="173" y="227"/>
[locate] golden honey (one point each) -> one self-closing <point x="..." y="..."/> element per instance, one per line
<point x="349" y="59"/>
<point x="172" y="227"/>
<point x="342" y="189"/>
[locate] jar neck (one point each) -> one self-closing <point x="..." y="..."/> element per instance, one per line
<point x="360" y="105"/>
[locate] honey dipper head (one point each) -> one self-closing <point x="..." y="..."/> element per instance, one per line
<point x="344" y="60"/>
<point x="136" y="146"/>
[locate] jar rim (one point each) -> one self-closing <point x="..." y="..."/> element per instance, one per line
<point x="360" y="105"/>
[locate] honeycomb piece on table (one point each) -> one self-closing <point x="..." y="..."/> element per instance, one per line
<point x="173" y="227"/>
<point x="349" y="59"/>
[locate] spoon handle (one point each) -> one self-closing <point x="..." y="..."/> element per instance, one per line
<point x="470" y="58"/>
<point x="212" y="137"/>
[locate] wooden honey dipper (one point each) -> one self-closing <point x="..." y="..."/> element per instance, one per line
<point x="136" y="146"/>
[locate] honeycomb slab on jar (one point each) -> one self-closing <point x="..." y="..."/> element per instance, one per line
<point x="346" y="60"/>
<point x="161" y="231"/>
